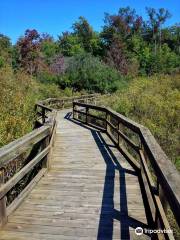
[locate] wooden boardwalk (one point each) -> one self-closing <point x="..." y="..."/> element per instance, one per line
<point x="90" y="192"/>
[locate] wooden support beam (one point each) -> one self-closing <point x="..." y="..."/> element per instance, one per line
<point x="3" y="212"/>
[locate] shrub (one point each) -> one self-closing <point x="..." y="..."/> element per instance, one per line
<point x="19" y="93"/>
<point x="89" y="73"/>
<point x="16" y="103"/>
<point x="155" y="103"/>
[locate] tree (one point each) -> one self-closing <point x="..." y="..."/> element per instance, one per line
<point x="5" y="43"/>
<point x="89" y="40"/>
<point x="162" y="16"/>
<point x="69" y="44"/>
<point x="48" y="47"/>
<point x="122" y="25"/>
<point x="29" y="51"/>
<point x="116" y="57"/>
<point x="171" y="36"/>
<point x="5" y="50"/>
<point x="84" y="32"/>
<point x="156" y="19"/>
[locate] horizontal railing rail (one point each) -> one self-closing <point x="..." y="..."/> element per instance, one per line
<point x="136" y="143"/>
<point x="67" y="101"/>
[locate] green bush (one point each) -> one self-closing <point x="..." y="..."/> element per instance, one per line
<point x="165" y="61"/>
<point x="86" y="72"/>
<point x="47" y="78"/>
<point x="155" y="103"/>
<point x="19" y="93"/>
<point x="16" y="104"/>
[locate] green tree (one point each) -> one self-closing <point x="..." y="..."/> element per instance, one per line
<point x="84" y="31"/>
<point x="88" y="39"/>
<point x="156" y="19"/>
<point x="171" y="36"/>
<point x="5" y="50"/>
<point x="48" y="47"/>
<point x="69" y="44"/>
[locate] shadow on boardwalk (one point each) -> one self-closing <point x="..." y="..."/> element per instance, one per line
<point x="108" y="212"/>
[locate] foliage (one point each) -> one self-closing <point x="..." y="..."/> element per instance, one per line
<point x="122" y="25"/>
<point x="49" y="48"/>
<point x="155" y="103"/>
<point x="127" y="43"/>
<point x="82" y="39"/>
<point x="29" y="51"/>
<point x="57" y="65"/>
<point x="84" y="32"/>
<point x="89" y="73"/>
<point x="69" y="44"/>
<point x="116" y="57"/>
<point x="19" y="94"/>
<point x="156" y="20"/>
<point x="16" y="105"/>
<point x="88" y="39"/>
<point x="5" y="50"/>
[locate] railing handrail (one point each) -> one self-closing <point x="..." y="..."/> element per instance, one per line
<point x="81" y="97"/>
<point x="11" y="150"/>
<point x="166" y="173"/>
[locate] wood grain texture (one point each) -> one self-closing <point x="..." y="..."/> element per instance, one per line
<point x="90" y="192"/>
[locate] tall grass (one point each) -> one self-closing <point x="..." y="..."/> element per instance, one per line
<point x="155" y="103"/>
<point x="19" y="93"/>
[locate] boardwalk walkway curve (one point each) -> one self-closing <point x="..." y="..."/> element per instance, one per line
<point x="82" y="181"/>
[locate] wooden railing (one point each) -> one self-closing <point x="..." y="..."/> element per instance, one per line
<point x="160" y="179"/>
<point x="24" y="161"/>
<point x="55" y="103"/>
<point x="44" y="107"/>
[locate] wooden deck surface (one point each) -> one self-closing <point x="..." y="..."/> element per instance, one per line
<point x="91" y="192"/>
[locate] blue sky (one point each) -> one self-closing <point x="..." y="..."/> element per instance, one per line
<point x="55" y="16"/>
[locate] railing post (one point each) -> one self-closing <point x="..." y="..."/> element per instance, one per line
<point x="35" y="108"/>
<point x="73" y="109"/>
<point x="43" y="115"/>
<point x="107" y="119"/>
<point x="74" y="113"/>
<point x="3" y="213"/>
<point x="45" y="144"/>
<point x="118" y="128"/>
<point x="163" y="199"/>
<point x="87" y="111"/>
<point x="94" y="100"/>
<point x="36" y="116"/>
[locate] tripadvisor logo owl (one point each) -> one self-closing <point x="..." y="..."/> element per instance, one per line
<point x="139" y="231"/>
